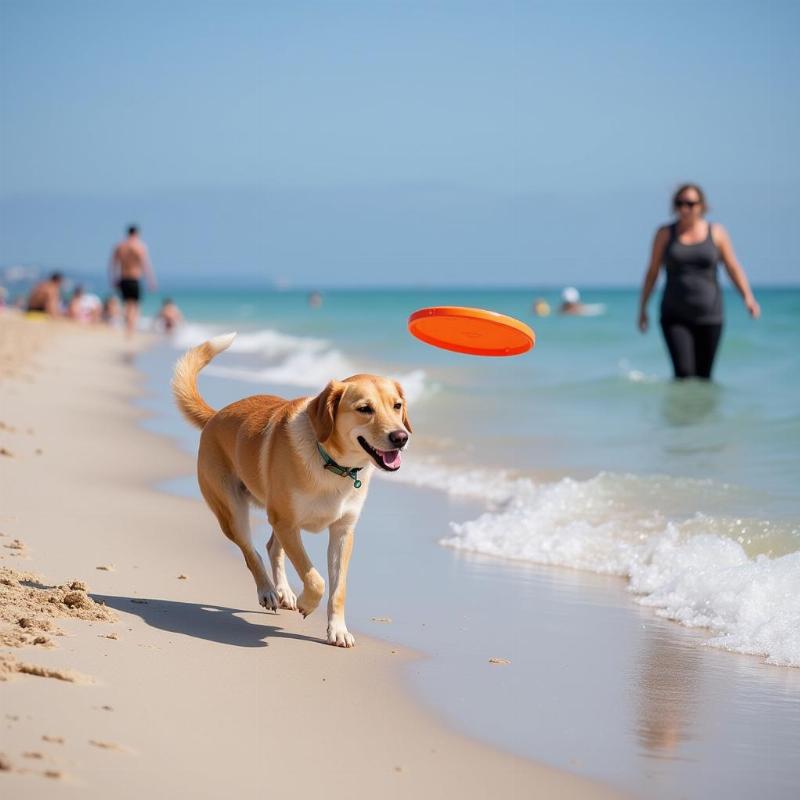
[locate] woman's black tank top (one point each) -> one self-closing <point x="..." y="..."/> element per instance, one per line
<point x="692" y="293"/>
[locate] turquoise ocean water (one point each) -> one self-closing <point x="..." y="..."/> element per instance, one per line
<point x="583" y="452"/>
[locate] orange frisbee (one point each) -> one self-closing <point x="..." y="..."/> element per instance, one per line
<point x="471" y="330"/>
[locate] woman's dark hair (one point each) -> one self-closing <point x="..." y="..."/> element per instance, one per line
<point x="682" y="188"/>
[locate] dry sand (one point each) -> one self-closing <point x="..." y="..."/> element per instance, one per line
<point x="174" y="683"/>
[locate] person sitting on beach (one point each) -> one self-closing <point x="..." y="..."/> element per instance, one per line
<point x="83" y="306"/>
<point x="129" y="262"/>
<point x="169" y="317"/>
<point x="45" y="297"/>
<point x="110" y="311"/>
<point x="74" y="301"/>
<point x="571" y="302"/>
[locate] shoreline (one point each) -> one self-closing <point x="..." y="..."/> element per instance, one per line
<point x="183" y="679"/>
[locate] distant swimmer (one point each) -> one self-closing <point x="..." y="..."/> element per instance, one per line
<point x="45" y="297"/>
<point x="689" y="249"/>
<point x="130" y="262"/>
<point x="541" y="307"/>
<point x="570" y="301"/>
<point x="314" y="300"/>
<point x="571" y="305"/>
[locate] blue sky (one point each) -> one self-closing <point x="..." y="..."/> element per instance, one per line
<point x="395" y="142"/>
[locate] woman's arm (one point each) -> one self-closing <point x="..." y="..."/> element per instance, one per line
<point x="651" y="276"/>
<point x="734" y="269"/>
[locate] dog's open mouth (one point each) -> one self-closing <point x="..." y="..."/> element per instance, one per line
<point x="385" y="459"/>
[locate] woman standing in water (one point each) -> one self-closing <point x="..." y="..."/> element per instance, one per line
<point x="691" y="308"/>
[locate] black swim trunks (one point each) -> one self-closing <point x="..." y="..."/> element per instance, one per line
<point x="129" y="289"/>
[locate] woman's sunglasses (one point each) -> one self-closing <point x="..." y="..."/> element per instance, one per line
<point x="687" y="203"/>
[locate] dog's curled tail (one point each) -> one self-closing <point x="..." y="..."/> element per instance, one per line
<point x="184" y="379"/>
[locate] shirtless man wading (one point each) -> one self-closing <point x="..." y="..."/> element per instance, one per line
<point x="129" y="262"/>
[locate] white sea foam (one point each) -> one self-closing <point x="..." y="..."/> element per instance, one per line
<point x="635" y="375"/>
<point x="280" y="358"/>
<point x="593" y="309"/>
<point x="689" y="569"/>
<point x="414" y="383"/>
<point x="309" y="369"/>
<point x="266" y="343"/>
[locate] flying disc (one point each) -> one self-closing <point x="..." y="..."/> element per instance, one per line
<point x="475" y="331"/>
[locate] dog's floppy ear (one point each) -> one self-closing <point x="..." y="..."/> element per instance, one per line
<point x="406" y="421"/>
<point x="322" y="410"/>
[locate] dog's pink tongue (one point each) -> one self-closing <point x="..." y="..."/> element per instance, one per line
<point x="391" y="458"/>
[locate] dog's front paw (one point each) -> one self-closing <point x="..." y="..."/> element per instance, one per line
<point x="269" y="599"/>
<point x="313" y="589"/>
<point x="287" y="597"/>
<point x="307" y="602"/>
<point x="339" y="636"/>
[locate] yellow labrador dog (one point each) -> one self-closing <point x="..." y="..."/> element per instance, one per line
<point x="307" y="461"/>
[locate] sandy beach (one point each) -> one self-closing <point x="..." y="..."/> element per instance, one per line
<point x="577" y="570"/>
<point x="164" y="677"/>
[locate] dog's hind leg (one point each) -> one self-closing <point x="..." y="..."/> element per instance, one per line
<point x="277" y="559"/>
<point x="231" y="507"/>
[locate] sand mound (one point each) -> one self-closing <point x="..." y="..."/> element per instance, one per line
<point x="28" y="610"/>
<point x="9" y="667"/>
